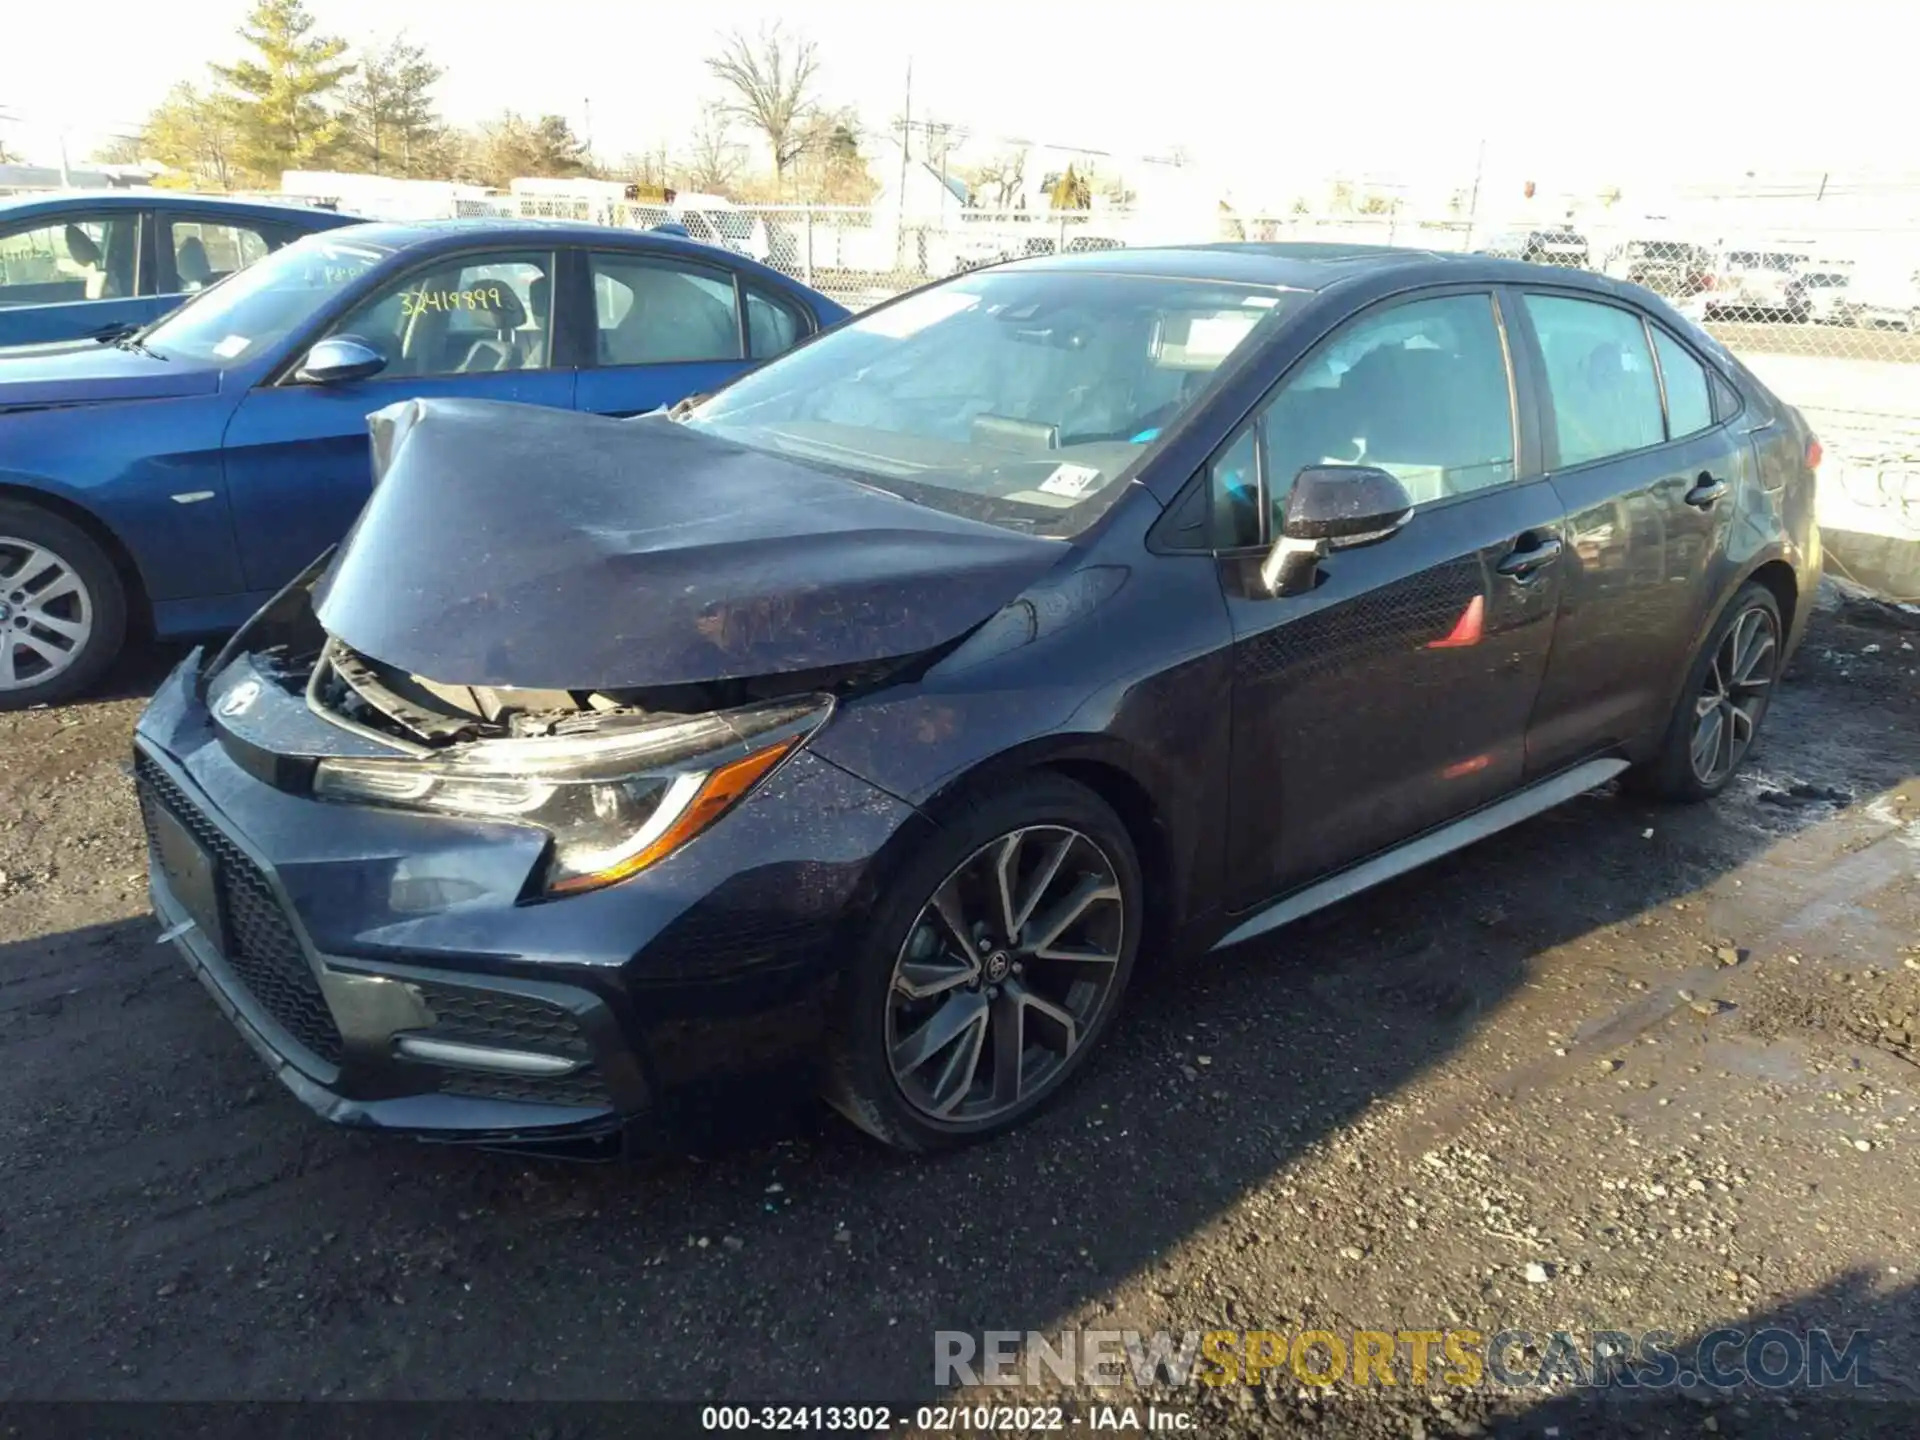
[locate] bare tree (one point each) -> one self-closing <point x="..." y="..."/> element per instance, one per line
<point x="644" y="167"/>
<point x="770" y="79"/>
<point x="117" y="150"/>
<point x="712" y="160"/>
<point x="1003" y="177"/>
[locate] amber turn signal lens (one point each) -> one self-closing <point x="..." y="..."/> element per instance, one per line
<point x="716" y="796"/>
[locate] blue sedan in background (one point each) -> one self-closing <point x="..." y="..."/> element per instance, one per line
<point x="86" y="264"/>
<point x="171" y="480"/>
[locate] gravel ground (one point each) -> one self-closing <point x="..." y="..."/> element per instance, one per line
<point x="1621" y="1068"/>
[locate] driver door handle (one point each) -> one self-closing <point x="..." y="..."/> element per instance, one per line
<point x="1706" y="490"/>
<point x="1523" y="564"/>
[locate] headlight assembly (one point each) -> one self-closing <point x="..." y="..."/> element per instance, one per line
<point x="614" y="801"/>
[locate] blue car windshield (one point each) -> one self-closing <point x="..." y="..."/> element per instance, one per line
<point x="1020" y="397"/>
<point x="261" y="305"/>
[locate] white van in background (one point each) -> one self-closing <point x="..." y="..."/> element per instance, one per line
<point x="1885" y="294"/>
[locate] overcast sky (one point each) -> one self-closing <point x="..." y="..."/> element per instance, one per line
<point x="1574" y="95"/>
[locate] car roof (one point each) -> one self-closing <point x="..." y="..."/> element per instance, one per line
<point x="492" y="229"/>
<point x="399" y="233"/>
<point x="1288" y="265"/>
<point x="53" y="202"/>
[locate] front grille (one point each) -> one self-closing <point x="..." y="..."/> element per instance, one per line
<point x="512" y="1022"/>
<point x="583" y="1087"/>
<point x="261" y="948"/>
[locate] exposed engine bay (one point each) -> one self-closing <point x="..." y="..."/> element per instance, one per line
<point x="290" y="648"/>
<point x="372" y="696"/>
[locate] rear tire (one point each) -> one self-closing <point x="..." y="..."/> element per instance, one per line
<point x="63" y="609"/>
<point x="1022" y="1006"/>
<point x="1717" y="718"/>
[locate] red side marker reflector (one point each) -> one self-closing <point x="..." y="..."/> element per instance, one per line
<point x="1466" y="630"/>
<point x="1466" y="767"/>
<point x="1814" y="454"/>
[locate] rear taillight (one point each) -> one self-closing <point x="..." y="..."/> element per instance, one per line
<point x="1814" y="454"/>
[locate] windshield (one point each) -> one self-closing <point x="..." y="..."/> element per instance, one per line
<point x="1016" y="397"/>
<point x="260" y="305"/>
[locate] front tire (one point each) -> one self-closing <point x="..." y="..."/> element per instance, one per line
<point x="1726" y="696"/>
<point x="63" y="610"/>
<point x="990" y="969"/>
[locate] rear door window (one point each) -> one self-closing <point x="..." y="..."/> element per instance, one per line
<point x="1689" y="399"/>
<point x="773" y="326"/>
<point x="652" y="310"/>
<point x="1600" y="377"/>
<point x="205" y="252"/>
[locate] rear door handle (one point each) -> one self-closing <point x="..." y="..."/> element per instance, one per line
<point x="1706" y="490"/>
<point x="1523" y="564"/>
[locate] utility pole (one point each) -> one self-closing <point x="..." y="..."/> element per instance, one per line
<point x="1473" y="200"/>
<point x="906" y="131"/>
<point x="900" y="201"/>
<point x="946" y="147"/>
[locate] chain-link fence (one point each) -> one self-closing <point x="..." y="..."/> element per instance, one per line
<point x="1803" y="288"/>
<point x="1815" y="287"/>
<point x="1822" y="303"/>
<point x="1827" y="312"/>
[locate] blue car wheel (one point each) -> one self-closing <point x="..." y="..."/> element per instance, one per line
<point x="63" y="610"/>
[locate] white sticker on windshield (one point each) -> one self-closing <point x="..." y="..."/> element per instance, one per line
<point x="1217" y="334"/>
<point x="231" y="346"/>
<point x="1070" y="480"/>
<point x="916" y="313"/>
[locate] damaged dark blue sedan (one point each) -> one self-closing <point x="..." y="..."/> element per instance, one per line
<point x="875" y="714"/>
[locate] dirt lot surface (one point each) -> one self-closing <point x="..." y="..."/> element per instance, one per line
<point x="1621" y="1068"/>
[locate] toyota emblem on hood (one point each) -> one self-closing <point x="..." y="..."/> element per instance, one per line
<point x="239" y="699"/>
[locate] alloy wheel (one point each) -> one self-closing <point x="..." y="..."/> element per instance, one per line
<point x="1734" y="695"/>
<point x="1004" y="974"/>
<point x="46" y="614"/>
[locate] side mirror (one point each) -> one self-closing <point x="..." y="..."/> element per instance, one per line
<point x="338" y="360"/>
<point x="1332" y="507"/>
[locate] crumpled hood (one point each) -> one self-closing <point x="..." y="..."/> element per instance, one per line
<point x="86" y="372"/>
<point x="508" y="545"/>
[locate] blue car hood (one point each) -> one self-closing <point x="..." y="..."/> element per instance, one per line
<point x="86" y="372"/>
<point x="513" y="546"/>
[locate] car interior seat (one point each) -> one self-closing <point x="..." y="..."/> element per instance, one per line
<point x="502" y="350"/>
<point x="670" y="318"/>
<point x="538" y="333"/>
<point x="1613" y="418"/>
<point x="82" y="250"/>
<point x="191" y="265"/>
